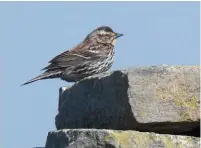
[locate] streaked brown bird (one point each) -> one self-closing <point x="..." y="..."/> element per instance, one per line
<point x="92" y="56"/>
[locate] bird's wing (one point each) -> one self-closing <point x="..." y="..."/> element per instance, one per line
<point x="74" y="57"/>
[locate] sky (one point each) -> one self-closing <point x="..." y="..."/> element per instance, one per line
<point x="32" y="33"/>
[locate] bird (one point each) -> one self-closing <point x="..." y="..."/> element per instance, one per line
<point x="94" y="55"/>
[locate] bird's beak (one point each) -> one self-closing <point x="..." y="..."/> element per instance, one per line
<point x="118" y="35"/>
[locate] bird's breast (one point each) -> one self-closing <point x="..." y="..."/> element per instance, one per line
<point x="105" y="64"/>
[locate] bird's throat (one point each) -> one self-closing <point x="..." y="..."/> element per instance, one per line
<point x="114" y="42"/>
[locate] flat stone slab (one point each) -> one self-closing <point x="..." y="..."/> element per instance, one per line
<point x="163" y="99"/>
<point x="93" y="138"/>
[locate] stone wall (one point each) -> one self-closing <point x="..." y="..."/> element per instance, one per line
<point x="156" y="106"/>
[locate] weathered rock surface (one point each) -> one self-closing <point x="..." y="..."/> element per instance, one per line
<point x="163" y="99"/>
<point x="93" y="138"/>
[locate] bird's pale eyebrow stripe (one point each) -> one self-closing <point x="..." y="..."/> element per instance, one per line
<point x="81" y="56"/>
<point x="94" y="51"/>
<point x="102" y="32"/>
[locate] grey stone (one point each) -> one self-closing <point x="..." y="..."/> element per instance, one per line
<point x="94" y="138"/>
<point x="163" y="99"/>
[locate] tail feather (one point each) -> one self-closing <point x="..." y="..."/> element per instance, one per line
<point x="45" y="75"/>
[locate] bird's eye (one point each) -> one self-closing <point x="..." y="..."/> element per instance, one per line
<point x="107" y="36"/>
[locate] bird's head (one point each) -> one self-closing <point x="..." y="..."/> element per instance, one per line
<point x="104" y="34"/>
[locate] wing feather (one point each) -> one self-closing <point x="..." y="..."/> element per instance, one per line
<point x="77" y="56"/>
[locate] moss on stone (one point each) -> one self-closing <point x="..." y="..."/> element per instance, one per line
<point x="142" y="113"/>
<point x="141" y="139"/>
<point x="184" y="116"/>
<point x="179" y="91"/>
<point x="189" y="103"/>
<point x="134" y="139"/>
<point x="120" y="138"/>
<point x="168" y="142"/>
<point x="192" y="102"/>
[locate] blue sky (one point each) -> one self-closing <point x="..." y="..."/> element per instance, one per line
<point x="32" y="33"/>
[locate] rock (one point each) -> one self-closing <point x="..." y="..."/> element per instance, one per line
<point x="94" y="138"/>
<point x="163" y="99"/>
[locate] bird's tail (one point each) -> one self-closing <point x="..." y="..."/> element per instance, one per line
<point x="45" y="75"/>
